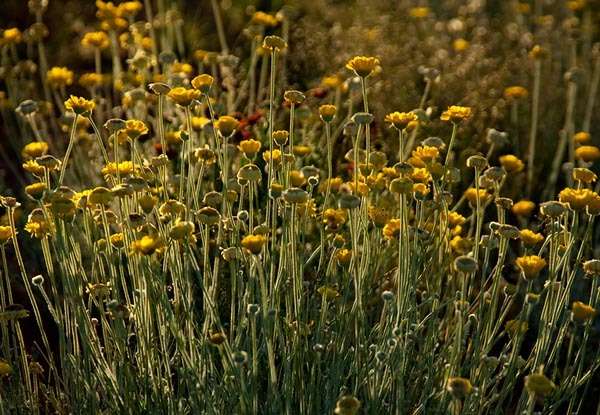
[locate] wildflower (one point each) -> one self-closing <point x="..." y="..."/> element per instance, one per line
<point x="203" y="83"/>
<point x="538" y="384"/>
<point x="523" y="208"/>
<point x="123" y="168"/>
<point x="37" y="225"/>
<point x="226" y="125"/>
<point x="332" y="81"/>
<point x="147" y="245"/>
<point x="362" y="66"/>
<point x="582" y="137"/>
<point x="347" y="405"/>
<point x="217" y="338"/>
<point x="254" y="243"/>
<point x="182" y="230"/>
<point x="5" y="369"/>
<point x="264" y="19"/>
<point x="423" y="156"/>
<point x="455" y="219"/>
<point x="183" y="96"/>
<point x="327" y="112"/>
<point x="530" y="238"/>
<point x="400" y="120"/>
<point x="460" y="45"/>
<point x="584" y="175"/>
<point x="135" y="128"/>
<point x="592" y="267"/>
<point x="531" y="265"/>
<point x="6" y="234"/>
<point x="95" y="40"/>
<point x="471" y="195"/>
<point x="117" y="240"/>
<point x="378" y="215"/>
<point x="343" y="256"/>
<point x="391" y="230"/>
<point x="419" y="12"/>
<point x="280" y="137"/>
<point x="59" y="77"/>
<point x="511" y="163"/>
<point x="79" y="105"/>
<point x="460" y="245"/>
<point x="537" y="52"/>
<point x="301" y="151"/>
<point x="36" y="190"/>
<point x="92" y="80"/>
<point x="12" y="35"/>
<point x="249" y="172"/>
<point x="515" y="92"/>
<point x="577" y="199"/>
<point x="147" y="202"/>
<point x="587" y="153"/>
<point x="456" y="114"/>
<point x="294" y="97"/>
<point x="274" y="43"/>
<point x="459" y="387"/>
<point x="421" y="175"/>
<point x="34" y="149"/>
<point x="334" y="218"/>
<point x="582" y="312"/>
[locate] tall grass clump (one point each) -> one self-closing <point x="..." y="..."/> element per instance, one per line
<point x="406" y="226"/>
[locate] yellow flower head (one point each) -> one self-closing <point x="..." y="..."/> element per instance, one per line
<point x="95" y="40"/>
<point x="419" y="12"/>
<point x="249" y="147"/>
<point x="424" y="155"/>
<point x="582" y="137"/>
<point x="327" y="112"/>
<point x="523" y="208"/>
<point x="531" y="265"/>
<point x="460" y="45"/>
<point x="264" y="19"/>
<point x="6" y="234"/>
<point x="511" y="163"/>
<point x="254" y="243"/>
<point x="400" y="120"/>
<point x="584" y="175"/>
<point x="59" y="77"/>
<point x="471" y="195"/>
<point x="530" y="238"/>
<point x="135" y="128"/>
<point x="147" y="245"/>
<point x="459" y="387"/>
<point x="391" y="230"/>
<point x="226" y="125"/>
<point x="274" y="43"/>
<point x="583" y="312"/>
<point x="183" y="96"/>
<point x="538" y="384"/>
<point x="12" y="35"/>
<point x="203" y="83"/>
<point x="515" y="92"/>
<point x="456" y="113"/>
<point x="79" y="105"/>
<point x="123" y="168"/>
<point x="362" y="66"/>
<point x="587" y="153"/>
<point x="34" y="149"/>
<point x="577" y="199"/>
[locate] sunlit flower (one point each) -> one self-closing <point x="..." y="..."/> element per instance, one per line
<point x="400" y="120"/>
<point x="135" y="128"/>
<point x="96" y="40"/>
<point x="183" y="96"/>
<point x="34" y="149"/>
<point x="226" y="125"/>
<point x="59" y="77"/>
<point x="79" y="105"/>
<point x="583" y="312"/>
<point x="530" y="238"/>
<point x="362" y="66"/>
<point x="419" y="12"/>
<point x="391" y="230"/>
<point x="254" y="243"/>
<point x="515" y="92"/>
<point x="264" y="19"/>
<point x="511" y="163"/>
<point x="587" y="153"/>
<point x="456" y="114"/>
<point x="531" y="265"/>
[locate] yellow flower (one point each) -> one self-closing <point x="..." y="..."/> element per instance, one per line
<point x="198" y="123"/>
<point x="36" y="190"/>
<point x="59" y="77"/>
<point x="421" y="175"/>
<point x="584" y="175"/>
<point x="334" y="218"/>
<point x="400" y="120"/>
<point x="582" y="137"/>
<point x="424" y="155"/>
<point x="582" y="312"/>
<point x="587" y="153"/>
<point x="280" y="137"/>
<point x="511" y="163"/>
<point x="471" y="195"/>
<point x="531" y="265"/>
<point x="523" y="208"/>
<point x="420" y="189"/>
<point x="34" y="149"/>
<point x="249" y="147"/>
<point x="37" y="225"/>
<point x="183" y="96"/>
<point x="538" y="384"/>
<point x="264" y="19"/>
<point x="530" y="238"/>
<point x="12" y="35"/>
<point x="362" y="66"/>
<point x="460" y="245"/>
<point x="459" y="387"/>
<point x="332" y="81"/>
<point x="95" y="40"/>
<point x="455" y="219"/>
<point x="327" y="112"/>
<point x="391" y="230"/>
<point x="419" y="12"/>
<point x="301" y="151"/>
<point x="182" y="230"/>
<point x="578" y="199"/>
<point x="92" y="80"/>
<point x="79" y="105"/>
<point x="124" y="168"/>
<point x="226" y="125"/>
<point x="203" y="83"/>
<point x="147" y="245"/>
<point x="135" y="129"/>
<point x="456" y="113"/>
<point x="117" y="240"/>
<point x="32" y="166"/>
<point x="343" y="256"/>
<point x="460" y="45"/>
<point x="5" y="368"/>
<point x="515" y="92"/>
<point x="5" y="233"/>
<point x="254" y="243"/>
<point x="537" y="52"/>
